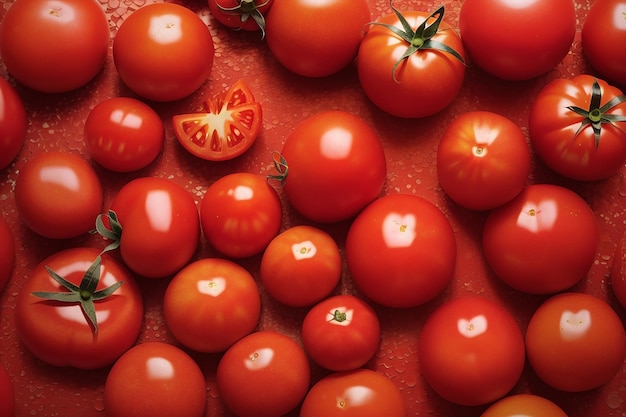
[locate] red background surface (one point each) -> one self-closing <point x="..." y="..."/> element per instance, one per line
<point x="56" y="123"/>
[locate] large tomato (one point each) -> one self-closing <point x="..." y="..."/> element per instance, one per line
<point x="543" y="241"/>
<point x="13" y="124"/>
<point x="577" y="127"/>
<point x="54" y="45"/>
<point x="496" y="37"/>
<point x="575" y="342"/>
<point x="411" y="63"/>
<point x="7" y="254"/>
<point x="527" y="405"/>
<point x="246" y="15"/>
<point x="176" y="53"/>
<point x="79" y="309"/>
<point x="471" y="351"/>
<point x="7" y="394"/>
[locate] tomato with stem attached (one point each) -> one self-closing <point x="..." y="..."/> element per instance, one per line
<point x="248" y="15"/>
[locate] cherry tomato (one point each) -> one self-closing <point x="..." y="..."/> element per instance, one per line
<point x="123" y="134"/>
<point x="471" y="351"/>
<point x="575" y="342"/>
<point x="483" y="160"/>
<point x="618" y="272"/>
<point x="13" y="124"/>
<point x="176" y="54"/>
<point x="401" y="251"/>
<point x="155" y="379"/>
<point x="526" y="405"/>
<point x="58" y="194"/>
<point x="7" y="394"/>
<point x="54" y="46"/>
<point x="357" y="393"/>
<point x="265" y="374"/>
<point x="248" y="15"/>
<point x="301" y="266"/>
<point x="7" y="254"/>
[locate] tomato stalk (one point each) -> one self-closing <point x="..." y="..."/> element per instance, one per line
<point x="247" y="9"/>
<point x="280" y="164"/>
<point x="339" y="316"/>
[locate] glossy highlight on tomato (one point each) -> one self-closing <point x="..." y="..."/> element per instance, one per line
<point x="527" y="405"/>
<point x="13" y="123"/>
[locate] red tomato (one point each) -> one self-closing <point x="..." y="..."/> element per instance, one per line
<point x="7" y="394"/>
<point x="227" y="127"/>
<point x="7" y="254"/>
<point x="13" y="123"/>
<point x="401" y="251"/>
<point x="176" y="54"/>
<point x="54" y="46"/>
<point x="301" y="266"/>
<point x="526" y="405"/>
<point x="341" y="333"/>
<point x="155" y="379"/>
<point x="57" y="329"/>
<point x="240" y="214"/>
<point x="58" y="195"/>
<point x="265" y="374"/>
<point x="123" y="134"/>
<point x="577" y="127"/>
<point x="471" y="351"/>
<point x="496" y="38"/>
<point x="336" y="166"/>
<point x="246" y="15"/>
<point x="618" y="272"/>
<point x="483" y="160"/>
<point x="575" y="342"/>
<point x="543" y="241"/>
<point x="357" y="393"/>
<point x="210" y="304"/>
<point x="415" y="73"/>
<point x="316" y="39"/>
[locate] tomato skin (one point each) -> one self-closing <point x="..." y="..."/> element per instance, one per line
<point x="389" y="251"/>
<point x="575" y="342"/>
<point x="483" y="160"/>
<point x="527" y="405"/>
<point x="7" y="254"/>
<point x="155" y="379"/>
<point x="7" y="396"/>
<point x="484" y="352"/>
<point x="13" y="124"/>
<point x="70" y="47"/>
<point x="234" y="20"/>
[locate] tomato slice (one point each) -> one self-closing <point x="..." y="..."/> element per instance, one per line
<point x="228" y="127"/>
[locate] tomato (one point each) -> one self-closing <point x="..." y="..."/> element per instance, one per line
<point x="575" y="342"/>
<point x="471" y="351"/>
<point x="211" y="303"/>
<point x="7" y="254"/>
<point x="341" y="333"/>
<point x="13" y="124"/>
<point x="411" y="71"/>
<point x="7" y="396"/>
<point x="176" y="54"/>
<point x="301" y="266"/>
<point x="316" y="39"/>
<point x="336" y="166"/>
<point x="265" y="374"/>
<point x="123" y="134"/>
<point x="240" y="214"/>
<point x="55" y="324"/>
<point x="496" y="38"/>
<point x="248" y="15"/>
<point x="227" y="127"/>
<point x="577" y="127"/>
<point x="58" y="194"/>
<point x="527" y="405"/>
<point x="618" y="272"/>
<point x="483" y="160"/>
<point x="54" y="46"/>
<point x="155" y="379"/>
<point x="401" y="251"/>
<point x="357" y="393"/>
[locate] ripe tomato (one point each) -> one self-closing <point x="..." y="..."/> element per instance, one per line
<point x="494" y="35"/>
<point x="58" y="195"/>
<point x="7" y="396"/>
<point x="341" y="333"/>
<point x="401" y="251"/>
<point x="155" y="379"/>
<point x="357" y="393"/>
<point x="7" y="254"/>
<point x="13" y="124"/>
<point x="483" y="160"/>
<point x="334" y="45"/>
<point x="526" y="405"/>
<point x="240" y="214"/>
<point x="471" y="351"/>
<point x="210" y="304"/>
<point x="417" y="69"/>
<point x="58" y="328"/>
<point x="543" y="241"/>
<point x="176" y="54"/>
<point x="265" y="374"/>
<point x="335" y="166"/>
<point x="577" y="127"/>
<point x="246" y="15"/>
<point x="123" y="134"/>
<point x="618" y="272"/>
<point x="301" y="266"/>
<point x="575" y="342"/>
<point x="54" y="46"/>
<point x="227" y="126"/>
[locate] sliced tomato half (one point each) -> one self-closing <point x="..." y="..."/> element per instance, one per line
<point x="227" y="128"/>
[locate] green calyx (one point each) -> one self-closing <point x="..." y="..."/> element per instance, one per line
<point x="339" y="316"/>
<point x="247" y="9"/>
<point x="280" y="164"/>
<point x="113" y="232"/>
